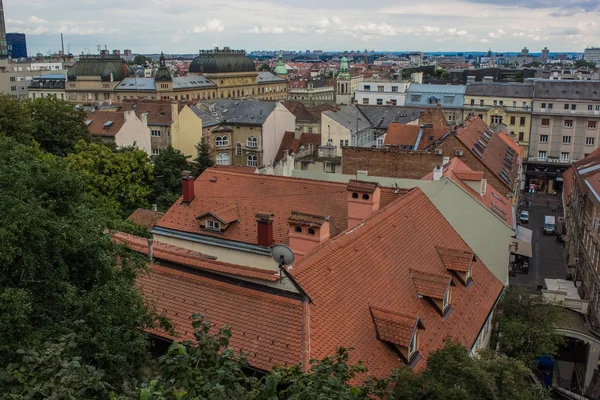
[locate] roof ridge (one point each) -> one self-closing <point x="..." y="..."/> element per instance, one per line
<point x="277" y="177"/>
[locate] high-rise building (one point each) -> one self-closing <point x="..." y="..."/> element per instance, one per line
<point x="17" y="45"/>
<point x="116" y="52"/>
<point x="592" y="54"/>
<point x="3" y="46"/>
<point x="545" y="54"/>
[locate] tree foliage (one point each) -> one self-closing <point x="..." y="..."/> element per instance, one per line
<point x="205" y="158"/>
<point x="527" y="324"/>
<point x="584" y="64"/>
<point x="58" y="267"/>
<point x="141" y="60"/>
<point x="168" y="166"/>
<point x="55" y="124"/>
<point x="122" y="178"/>
<point x="264" y="67"/>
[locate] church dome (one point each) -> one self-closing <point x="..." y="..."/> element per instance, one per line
<point x="107" y="67"/>
<point x="219" y="61"/>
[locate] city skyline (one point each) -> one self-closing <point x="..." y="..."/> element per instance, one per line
<point x="175" y="26"/>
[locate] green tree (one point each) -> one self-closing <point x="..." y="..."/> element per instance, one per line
<point x="122" y="178"/>
<point x="168" y="166"/>
<point x="59" y="269"/>
<point x="584" y="64"/>
<point x="264" y="67"/>
<point x="205" y="158"/>
<point x="141" y="60"/>
<point x="527" y="324"/>
<point x="15" y="120"/>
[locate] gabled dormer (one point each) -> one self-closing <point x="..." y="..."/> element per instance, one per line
<point x="220" y="219"/>
<point x="399" y="330"/>
<point x="434" y="288"/>
<point x="457" y="262"/>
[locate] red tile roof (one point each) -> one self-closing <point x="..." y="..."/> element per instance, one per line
<point x="226" y="214"/>
<point x="307" y="114"/>
<point x="145" y="218"/>
<point x="430" y="285"/>
<point x="158" y="111"/>
<point x="465" y="175"/>
<point x="455" y="260"/>
<point x="406" y="135"/>
<point x="299" y="218"/>
<point x="100" y="118"/>
<point x="290" y="144"/>
<point x="361" y="186"/>
<point x="394" y="327"/>
<point x="266" y="326"/>
<point x="370" y="266"/>
<point x="253" y="193"/>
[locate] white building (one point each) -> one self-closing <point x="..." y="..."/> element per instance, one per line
<point x="382" y="92"/>
<point x="592" y="54"/>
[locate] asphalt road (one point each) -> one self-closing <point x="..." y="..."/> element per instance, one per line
<point x="548" y="254"/>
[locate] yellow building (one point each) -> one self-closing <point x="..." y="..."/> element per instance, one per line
<point x="503" y="103"/>
<point x="214" y="74"/>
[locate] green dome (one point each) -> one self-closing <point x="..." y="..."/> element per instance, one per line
<point x="344" y="72"/>
<point x="103" y="66"/>
<point x="280" y="68"/>
<point x="218" y="61"/>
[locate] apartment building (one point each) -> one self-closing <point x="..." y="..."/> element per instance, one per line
<point x="565" y="125"/>
<point x="382" y="92"/>
<point x="16" y="77"/>
<point x="449" y="97"/>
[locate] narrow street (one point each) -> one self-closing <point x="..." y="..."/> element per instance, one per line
<point x="548" y="258"/>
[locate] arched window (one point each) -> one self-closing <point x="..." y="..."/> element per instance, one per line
<point x="252" y="160"/>
<point x="252" y="142"/>
<point x="365" y="196"/>
<point x="355" y="195"/>
<point x="298" y="229"/>
<point x="222" y="140"/>
<point x="311" y="231"/>
<point x="238" y="149"/>
<point x="223" y="159"/>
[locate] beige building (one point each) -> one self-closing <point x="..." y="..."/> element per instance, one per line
<point x="123" y="128"/>
<point x="16" y="77"/>
<point x="214" y="74"/>
<point x="311" y="92"/>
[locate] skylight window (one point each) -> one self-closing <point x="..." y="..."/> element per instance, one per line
<point x="88" y="122"/>
<point x="108" y="124"/>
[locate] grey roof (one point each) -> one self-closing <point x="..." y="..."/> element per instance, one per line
<point x="569" y="90"/>
<point x="441" y="89"/>
<point x="269" y="77"/>
<point x="347" y="117"/>
<point x="373" y="117"/>
<point x="136" y="84"/>
<point x="238" y="112"/>
<point x="208" y="119"/>
<point x="190" y="82"/>
<point x="498" y="89"/>
<point x="448" y="96"/>
<point x="107" y="67"/>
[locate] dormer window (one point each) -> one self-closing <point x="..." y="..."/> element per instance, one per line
<point x="213" y="225"/>
<point x="434" y="288"/>
<point x="355" y="195"/>
<point x="365" y="196"/>
<point x="446" y="302"/>
<point x="399" y="330"/>
<point x="412" y="346"/>
<point x="220" y="219"/>
<point x="457" y="262"/>
<point x="298" y="229"/>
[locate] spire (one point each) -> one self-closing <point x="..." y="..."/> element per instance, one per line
<point x="162" y="74"/>
<point x="280" y="68"/>
<point x="344" y="73"/>
<point x="162" y="59"/>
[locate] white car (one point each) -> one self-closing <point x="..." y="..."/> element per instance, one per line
<point x="524" y="217"/>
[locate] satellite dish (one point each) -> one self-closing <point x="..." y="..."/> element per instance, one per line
<point x="282" y="254"/>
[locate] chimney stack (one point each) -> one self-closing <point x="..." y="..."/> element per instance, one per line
<point x="144" y="118"/>
<point x="264" y="225"/>
<point x="187" y="187"/>
<point x="437" y="173"/>
<point x="445" y="160"/>
<point x="154" y="207"/>
<point x="297" y="133"/>
<point x="363" y="201"/>
<point x="307" y="232"/>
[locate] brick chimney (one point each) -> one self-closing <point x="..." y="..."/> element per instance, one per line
<point x="187" y="183"/>
<point x="307" y="232"/>
<point x="264" y="228"/>
<point x="363" y="201"/>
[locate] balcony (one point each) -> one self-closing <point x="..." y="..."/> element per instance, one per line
<point x="574" y="113"/>
<point x="550" y="160"/>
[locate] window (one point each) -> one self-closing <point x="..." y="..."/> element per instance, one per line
<point x="379" y="102"/>
<point x="223" y="159"/>
<point x="380" y="88"/>
<point x="472" y="102"/>
<point x="434" y="100"/>
<point x="327" y="167"/>
<point x="565" y="157"/>
<point x="495" y="102"/>
<point x="545" y="121"/>
<point x="395" y="89"/>
<point x="543" y="138"/>
<point x="394" y="102"/>
<point x="598" y="108"/>
<point x="566" y="106"/>
<point x="501" y="102"/>
<point x="252" y="142"/>
<point x="496" y="119"/>
<point x="222" y="140"/>
<point x="522" y="121"/>
<point x="573" y="106"/>
<point x="310" y="129"/>
<point x="341" y="142"/>
<point x="12" y="79"/>
<point x="514" y="104"/>
<point x="591" y="124"/>
<point x="524" y="104"/>
<point x="446" y="302"/>
<point x="521" y="136"/>
<point x="298" y="229"/>
<point x="380" y="141"/>
<point x="14" y="88"/>
<point x="252" y="160"/>
<point x="542" y="155"/>
<point x="155" y="152"/>
<point x="238" y="149"/>
<point x="213" y="225"/>
<point x="365" y="100"/>
<point x="568" y="123"/>
<point x="481" y="103"/>
<point x="415" y="97"/>
<point x="566" y="139"/>
<point x="412" y="346"/>
<point x="590" y="107"/>
<point x="155" y="133"/>
<point x="590" y="141"/>
<point x="550" y="105"/>
<point x="513" y="120"/>
<point x="367" y="88"/>
<point x="543" y="105"/>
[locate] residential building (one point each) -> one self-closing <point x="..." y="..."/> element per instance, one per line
<point x="52" y="85"/>
<point x="246" y="132"/>
<point x="564" y="128"/>
<point x="450" y="97"/>
<point x="122" y="128"/>
<point x="298" y="150"/>
<point x="16" y="77"/>
<point x="358" y="125"/>
<point x="17" y="45"/>
<point x="311" y="91"/>
<point x="592" y="54"/>
<point x="346" y="84"/>
<point x="430" y="285"/>
<point x="503" y="103"/>
<point x="308" y="119"/>
<point x="480" y="148"/>
<point x="382" y="92"/>
<point x="171" y="124"/>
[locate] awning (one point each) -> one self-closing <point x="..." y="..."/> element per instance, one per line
<point x="521" y="248"/>
<point x="524" y="234"/>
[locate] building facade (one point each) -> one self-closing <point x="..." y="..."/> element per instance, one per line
<point x="592" y="54"/>
<point x="16" y="77"/>
<point x="122" y="128"/>
<point x="311" y="92"/>
<point x="382" y="92"/>
<point x="17" y="45"/>
<point x="564" y="128"/>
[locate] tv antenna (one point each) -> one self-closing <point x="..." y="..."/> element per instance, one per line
<point x="282" y="255"/>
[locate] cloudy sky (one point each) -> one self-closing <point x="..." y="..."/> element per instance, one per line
<point x="184" y="26"/>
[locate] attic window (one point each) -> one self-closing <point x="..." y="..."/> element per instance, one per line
<point x="355" y="195"/>
<point x="399" y="330"/>
<point x="365" y="196"/>
<point x="213" y="225"/>
<point x="446" y="302"/>
<point x="298" y="229"/>
<point x="311" y="231"/>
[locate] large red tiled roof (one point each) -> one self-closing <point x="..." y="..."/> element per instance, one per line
<point x="158" y="111"/>
<point x="304" y="113"/>
<point x="145" y="218"/>
<point x="98" y="123"/>
<point x="253" y="193"/>
<point x="266" y="326"/>
<point x="406" y="135"/>
<point x="370" y="266"/>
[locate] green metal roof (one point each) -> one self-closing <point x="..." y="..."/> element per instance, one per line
<point x="107" y="67"/>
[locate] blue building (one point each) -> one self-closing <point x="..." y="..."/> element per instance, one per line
<point x="17" y="45"/>
<point x="450" y="97"/>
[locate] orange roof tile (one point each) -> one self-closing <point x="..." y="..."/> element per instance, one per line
<point x="455" y="260"/>
<point x="99" y="125"/>
<point x="465" y="175"/>
<point x="266" y="326"/>
<point x="299" y="218"/>
<point x="145" y="218"/>
<point x="430" y="285"/>
<point x="290" y="144"/>
<point x="394" y="327"/>
<point x="371" y="265"/>
<point x="226" y="214"/>
<point x="362" y="186"/>
<point x="406" y="135"/>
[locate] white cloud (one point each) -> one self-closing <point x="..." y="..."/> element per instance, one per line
<point x="255" y="30"/>
<point x="376" y="29"/>
<point x="36" y="20"/>
<point x="275" y="30"/>
<point x="76" y="30"/>
<point x="455" y="32"/>
<point x="214" y="25"/>
<point x="40" y="30"/>
<point x="14" y="21"/>
<point x="498" y="33"/>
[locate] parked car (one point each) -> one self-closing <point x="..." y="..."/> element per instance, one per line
<point x="549" y="225"/>
<point x="524" y="217"/>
